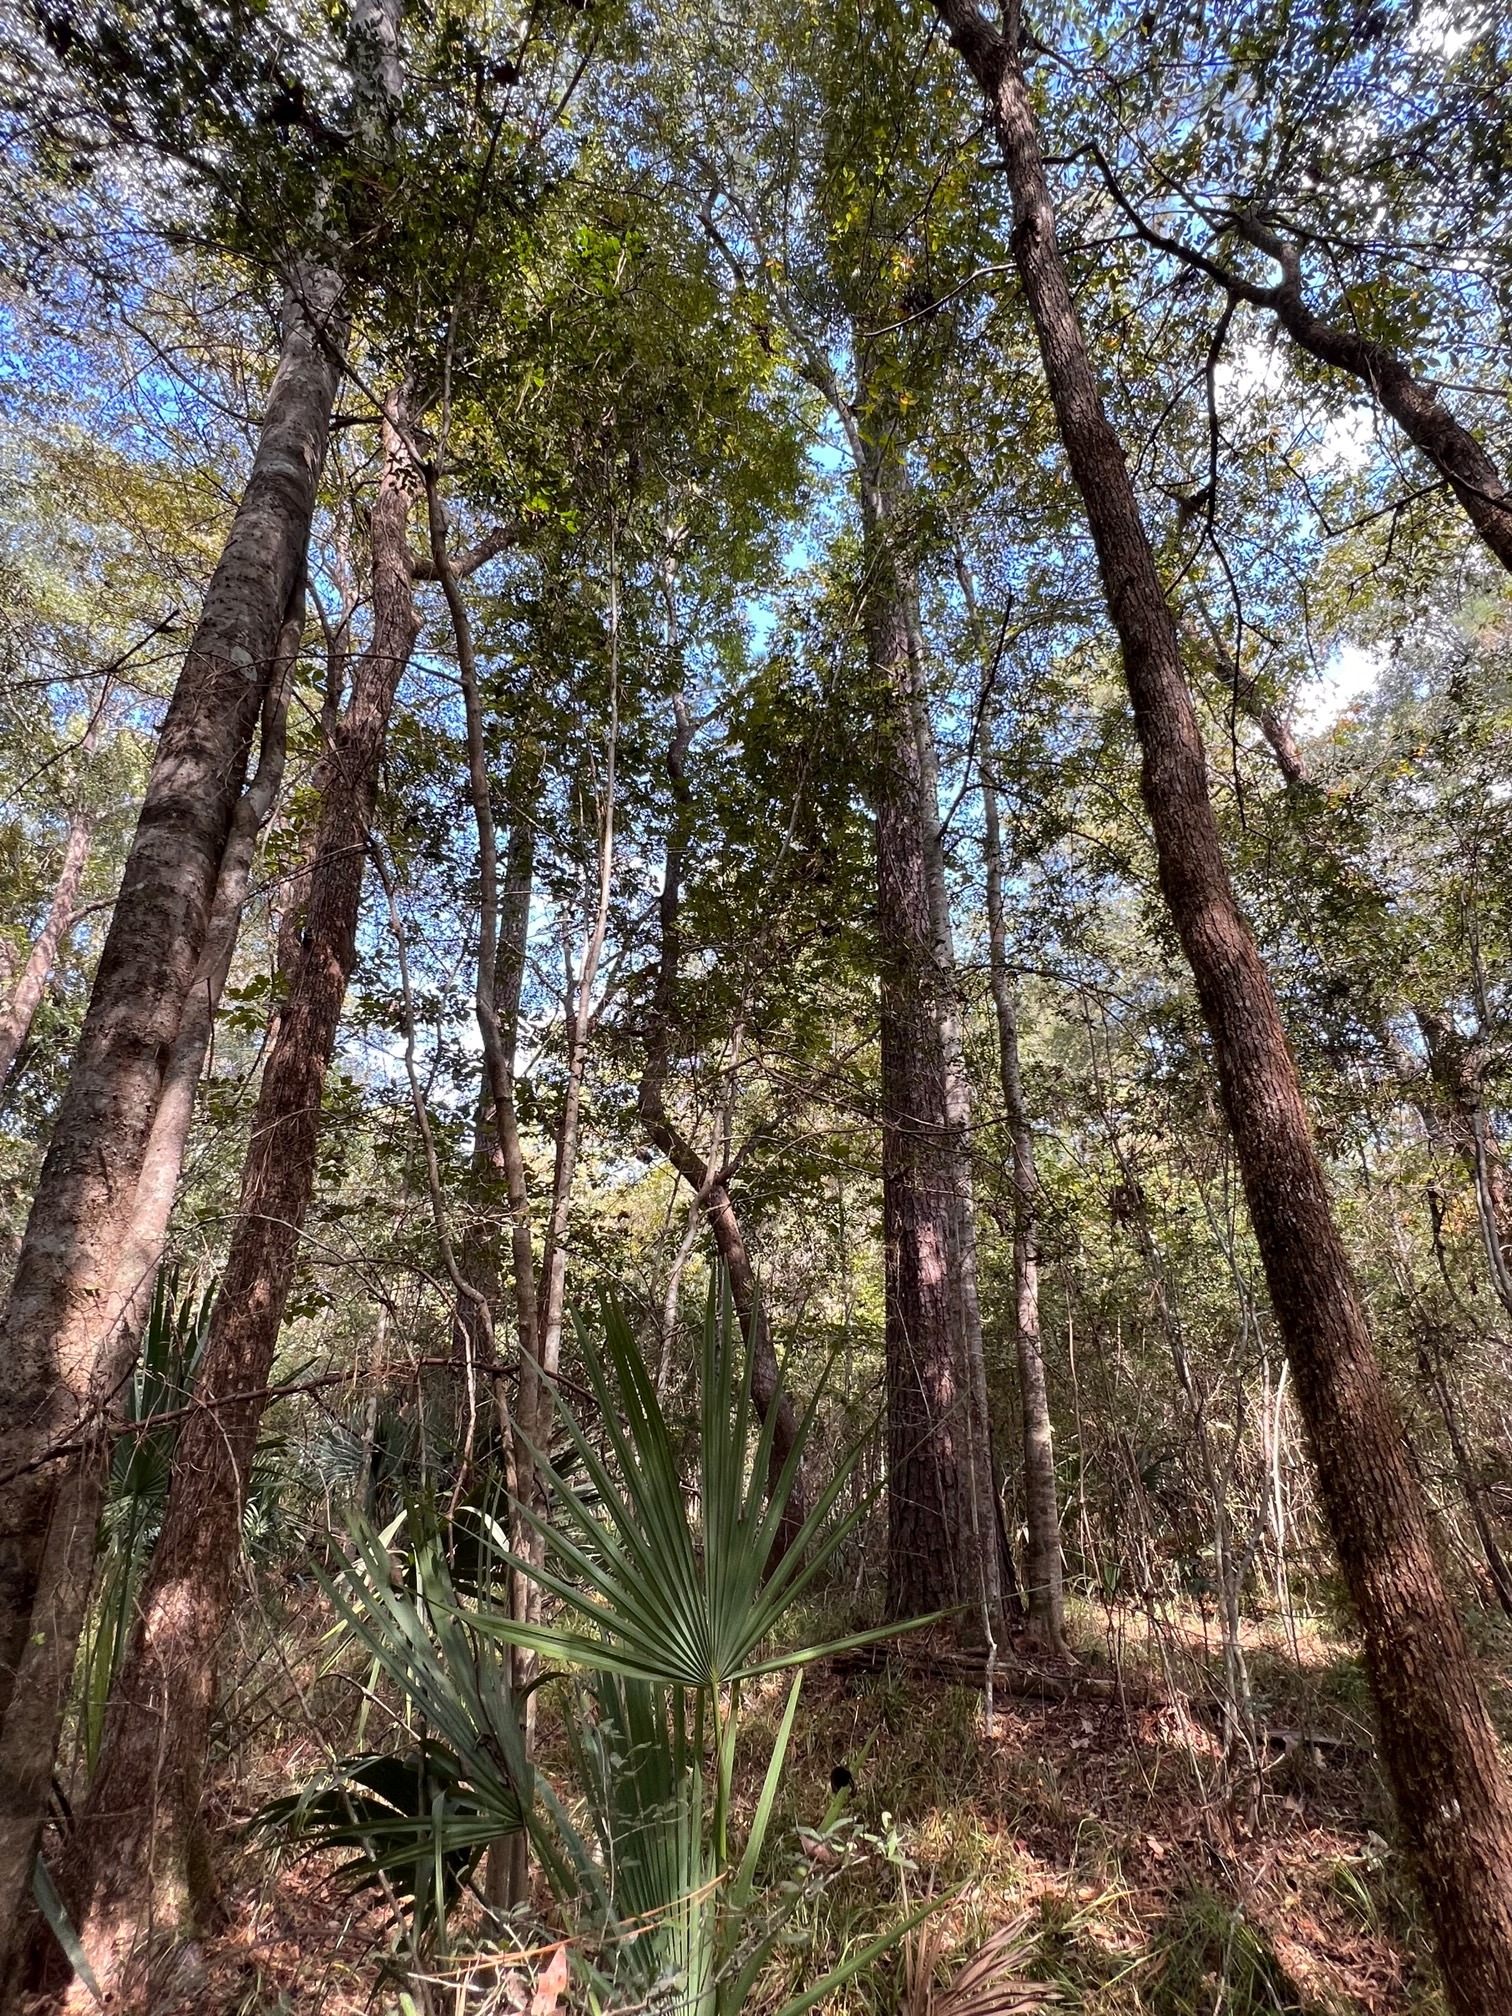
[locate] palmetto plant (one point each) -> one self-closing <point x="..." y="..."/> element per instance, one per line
<point x="989" y="1983"/>
<point x="690" y="1596"/>
<point x="141" y="1467"/>
<point x="417" y="1824"/>
<point x="672" y="1601"/>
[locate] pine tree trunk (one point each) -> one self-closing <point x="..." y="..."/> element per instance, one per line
<point x="62" y="1362"/>
<point x="140" y="1863"/>
<point x="26" y="999"/>
<point x="934" y="1554"/>
<point x="1438" y="1741"/>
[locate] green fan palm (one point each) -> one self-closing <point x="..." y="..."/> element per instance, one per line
<point x="674" y="1599"/>
<point x="662" y="1594"/>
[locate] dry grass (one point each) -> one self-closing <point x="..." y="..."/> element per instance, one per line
<point x="1151" y="1891"/>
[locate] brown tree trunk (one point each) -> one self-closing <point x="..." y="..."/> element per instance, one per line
<point x="1044" y="1590"/>
<point x="503" y="934"/>
<point x="503" y="920"/>
<point x="1440" y="1746"/>
<point x="1045" y="1593"/>
<point x="945" y="989"/>
<point x="16" y="1016"/>
<point x="163" y="1162"/>
<point x="934" y="1554"/>
<point x="945" y="1519"/>
<point x="139" y="1866"/>
<point x="60" y="1372"/>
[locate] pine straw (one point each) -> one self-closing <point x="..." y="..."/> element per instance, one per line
<point x="1150" y="1891"/>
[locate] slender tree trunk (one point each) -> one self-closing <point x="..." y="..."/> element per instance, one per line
<point x="536" y="1402"/>
<point x="1455" y="1063"/>
<point x="1431" y="1364"/>
<point x="710" y="1191"/>
<point x="1440" y="1746"/>
<point x="140" y="1866"/>
<point x="59" y="1380"/>
<point x="503" y="934"/>
<point x="963" y="1265"/>
<point x="16" y="1016"/>
<point x="503" y="925"/>
<point x="1044" y="1591"/>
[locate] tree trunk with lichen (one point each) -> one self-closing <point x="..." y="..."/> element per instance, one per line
<point x="64" y="1358"/>
<point x="139" y="1858"/>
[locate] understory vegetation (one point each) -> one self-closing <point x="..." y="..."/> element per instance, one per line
<point x="755" y="1007"/>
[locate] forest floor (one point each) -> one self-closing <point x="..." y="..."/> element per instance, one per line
<point x="1109" y="1822"/>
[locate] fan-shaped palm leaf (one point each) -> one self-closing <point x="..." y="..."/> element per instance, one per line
<point x="659" y="1594"/>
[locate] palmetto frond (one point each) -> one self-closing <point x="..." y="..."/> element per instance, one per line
<point x="658" y="1591"/>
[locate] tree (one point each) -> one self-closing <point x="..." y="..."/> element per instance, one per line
<point x="1435" y="1729"/>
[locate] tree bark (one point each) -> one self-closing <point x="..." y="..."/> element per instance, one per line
<point x="139" y="1867"/>
<point x="945" y="989"/>
<point x="1438" y="1741"/>
<point x="59" y="1377"/>
<point x="503" y="935"/>
<point x="162" y="1165"/>
<point x="936" y="1558"/>
<point x="1044" y="1591"/>
<point x="16" y="1016"/>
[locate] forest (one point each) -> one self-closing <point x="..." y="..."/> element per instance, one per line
<point x="756" y="1007"/>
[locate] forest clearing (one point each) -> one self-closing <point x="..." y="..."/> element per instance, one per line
<point x="755" y="1008"/>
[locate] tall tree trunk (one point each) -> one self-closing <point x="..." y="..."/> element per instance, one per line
<point x="16" y="1016"/>
<point x="139" y="1867"/>
<point x="62" y="1362"/>
<point x="1440" y="1746"/>
<point x="162" y="1165"/>
<point x="945" y="1528"/>
<point x="1044" y="1592"/>
<point x="503" y="935"/>
<point x="936" y="1557"/>
<point x="945" y="987"/>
